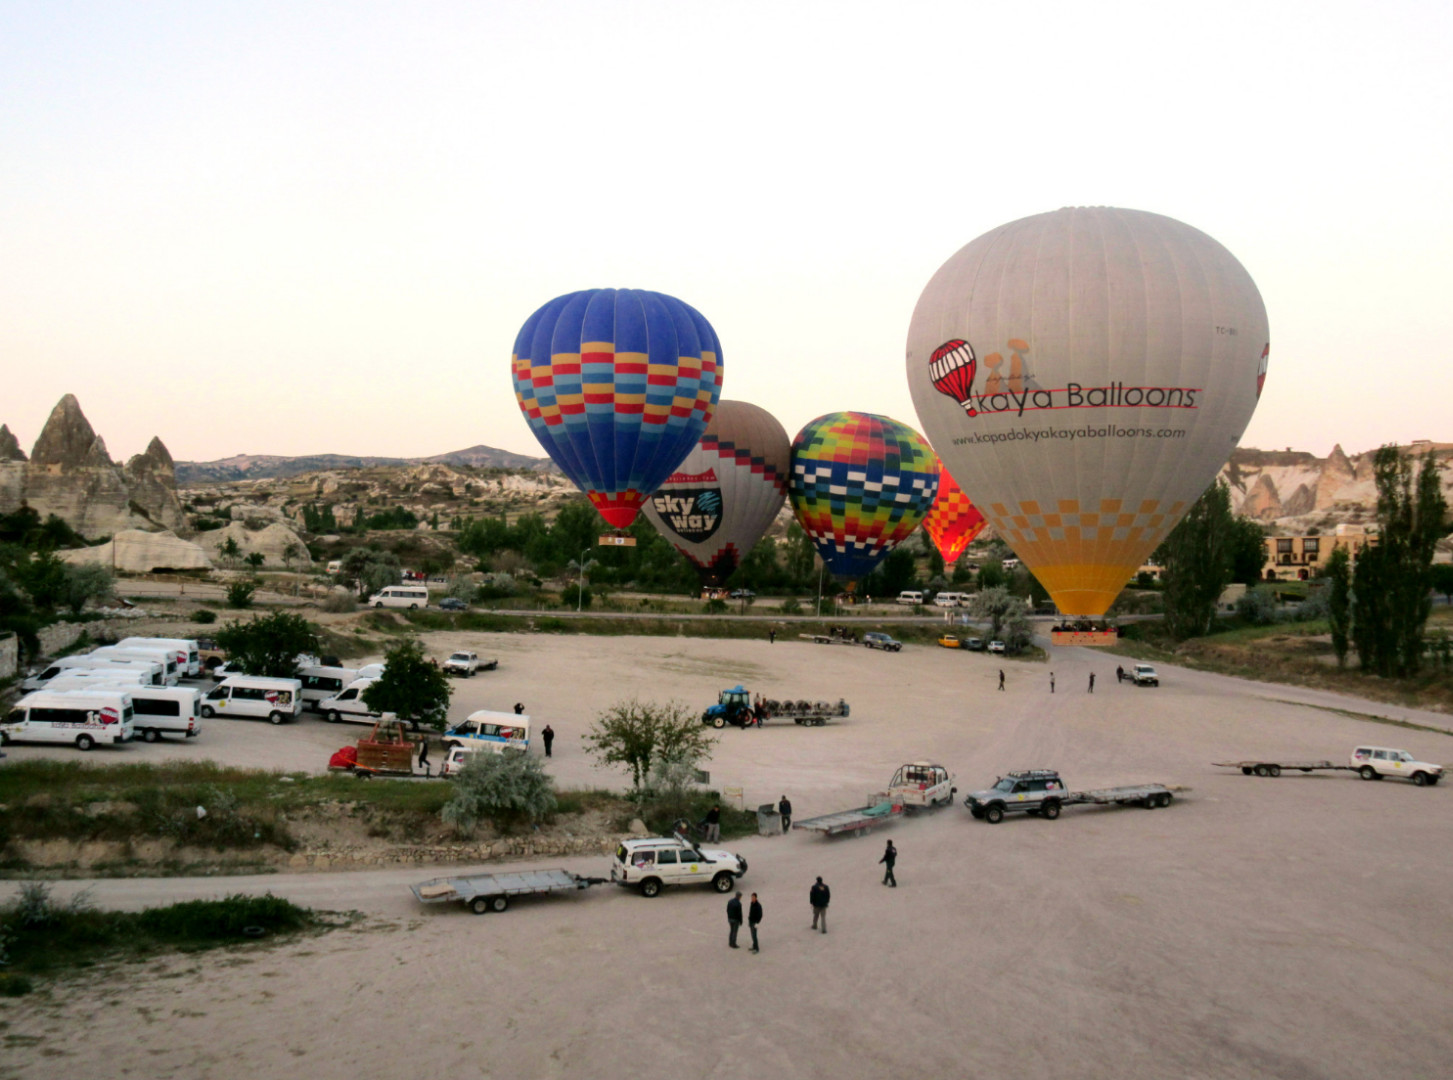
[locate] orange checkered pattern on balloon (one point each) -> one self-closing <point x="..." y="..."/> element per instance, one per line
<point x="954" y="520"/>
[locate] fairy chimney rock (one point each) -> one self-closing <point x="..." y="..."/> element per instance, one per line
<point x="9" y="445"/>
<point x="67" y="440"/>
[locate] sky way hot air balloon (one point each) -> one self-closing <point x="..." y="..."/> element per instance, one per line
<point x="860" y="485"/>
<point x="1084" y="374"/>
<point x="722" y="498"/>
<point x="617" y="385"/>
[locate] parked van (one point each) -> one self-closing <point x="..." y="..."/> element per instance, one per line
<point x="41" y="679"/>
<point x="254" y="695"/>
<point x="189" y="659"/>
<point x="1010" y="564"/>
<point x="335" y="566"/>
<point x="166" y="710"/>
<point x="910" y="596"/>
<point x="370" y="671"/>
<point x="321" y="683"/>
<point x="82" y="717"/>
<point x="950" y="599"/>
<point x="402" y="596"/>
<point x="160" y="654"/>
<point x="82" y="678"/>
<point x="494" y="731"/>
<point x="349" y="704"/>
<point x="457" y="756"/>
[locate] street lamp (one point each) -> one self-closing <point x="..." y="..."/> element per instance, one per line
<point x="582" y="564"/>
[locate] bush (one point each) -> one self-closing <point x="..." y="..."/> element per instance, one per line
<point x="791" y="606"/>
<point x="504" y="787"/>
<point x="203" y="616"/>
<point x="573" y="595"/>
<point x="715" y="607"/>
<point x="13" y="986"/>
<point x="1257" y="607"/>
<point x="339" y="603"/>
<point x="497" y="586"/>
<point x="239" y="594"/>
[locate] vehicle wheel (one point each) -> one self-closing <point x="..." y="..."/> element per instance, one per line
<point x="84" y="742"/>
<point x="1246" y="770"/>
<point x="498" y="903"/>
<point x="1420" y="779"/>
<point x="1165" y="799"/>
<point x="274" y="717"/>
<point x="379" y="604"/>
<point x="651" y="887"/>
<point x="1261" y="770"/>
<point x="479" y="905"/>
<point x="723" y="882"/>
<point x="4" y="739"/>
<point x="334" y="716"/>
<point x="413" y="607"/>
<point x="364" y="775"/>
<point x="1273" y="770"/>
<point x="718" y="722"/>
<point x="1050" y="810"/>
<point x="818" y="723"/>
<point x="207" y="712"/>
<point x="993" y="814"/>
<point x="1367" y="772"/>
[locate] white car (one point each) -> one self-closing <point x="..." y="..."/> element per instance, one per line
<point x="462" y="663"/>
<point x="1144" y="675"/>
<point x="652" y="863"/>
<point x="1377" y="762"/>
<point x="996" y="646"/>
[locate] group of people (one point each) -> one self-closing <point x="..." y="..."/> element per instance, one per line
<point x="819" y="896"/>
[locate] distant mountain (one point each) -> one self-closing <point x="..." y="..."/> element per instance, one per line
<point x="271" y="466"/>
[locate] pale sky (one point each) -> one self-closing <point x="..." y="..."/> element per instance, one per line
<point x="298" y="228"/>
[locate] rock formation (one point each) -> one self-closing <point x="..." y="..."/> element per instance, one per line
<point x="273" y="542"/>
<point x="71" y="474"/>
<point x="140" y="552"/>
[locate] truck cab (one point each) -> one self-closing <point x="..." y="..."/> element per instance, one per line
<point x="922" y="784"/>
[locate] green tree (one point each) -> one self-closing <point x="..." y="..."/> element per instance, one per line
<point x="44" y="578"/>
<point x="992" y="575"/>
<point x="801" y="556"/>
<point x="411" y="687"/>
<point x="255" y="559"/>
<point x="230" y="551"/>
<point x="1441" y="576"/>
<point x="504" y="788"/>
<point x="1197" y="559"/>
<point x="1248" y="550"/>
<point x="998" y="605"/>
<point x="86" y="582"/>
<point x="269" y="645"/>
<point x="638" y="735"/>
<point x="1393" y="577"/>
<point x="371" y="569"/>
<point x="239" y="594"/>
<point x="1339" y="602"/>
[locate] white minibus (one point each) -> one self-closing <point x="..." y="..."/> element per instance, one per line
<point x="87" y="661"/>
<point x="254" y="695"/>
<point x="82" y="717"/>
<point x="910" y="596"/>
<point x="401" y="596"/>
<point x="166" y="710"/>
<point x="348" y="705"/>
<point x="161" y="654"/>
<point x="486" y="730"/>
<point x="950" y="599"/>
<point x="85" y="678"/>
<point x="320" y="683"/>
<point x="189" y="659"/>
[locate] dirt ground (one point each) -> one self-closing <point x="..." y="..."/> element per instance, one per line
<point x="1294" y="927"/>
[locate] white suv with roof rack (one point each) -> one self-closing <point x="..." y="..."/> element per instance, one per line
<point x="654" y="862"/>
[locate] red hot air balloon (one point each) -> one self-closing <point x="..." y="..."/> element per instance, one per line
<point x="954" y="521"/>
<point x="952" y="368"/>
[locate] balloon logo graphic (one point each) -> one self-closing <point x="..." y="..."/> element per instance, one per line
<point x="728" y="491"/>
<point x="1261" y="370"/>
<point x="952" y="367"/>
<point x="617" y="385"/>
<point x="860" y="485"/>
<point x="954" y="521"/>
<point x="1131" y="369"/>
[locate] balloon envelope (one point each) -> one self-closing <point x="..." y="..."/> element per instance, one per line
<point x="954" y="521"/>
<point x="617" y="385"/>
<point x="1084" y="374"/>
<point x="860" y="485"/>
<point x="721" y="499"/>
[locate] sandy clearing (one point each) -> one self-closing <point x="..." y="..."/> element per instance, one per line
<point x="1256" y="928"/>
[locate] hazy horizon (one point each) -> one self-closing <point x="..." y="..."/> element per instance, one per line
<point x="294" y="230"/>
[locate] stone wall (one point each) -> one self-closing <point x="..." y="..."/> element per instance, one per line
<point x="62" y="635"/>
<point x="9" y="656"/>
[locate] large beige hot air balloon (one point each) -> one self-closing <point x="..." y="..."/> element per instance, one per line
<point x="1084" y="374"/>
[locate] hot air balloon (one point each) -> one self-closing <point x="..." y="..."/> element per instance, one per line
<point x="720" y="500"/>
<point x="860" y="485"/>
<point x="954" y="521"/>
<point x="618" y="385"/>
<point x="1119" y="357"/>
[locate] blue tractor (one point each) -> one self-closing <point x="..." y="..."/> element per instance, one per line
<point x="733" y="707"/>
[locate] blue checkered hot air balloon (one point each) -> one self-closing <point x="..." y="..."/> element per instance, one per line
<point x="618" y="385"/>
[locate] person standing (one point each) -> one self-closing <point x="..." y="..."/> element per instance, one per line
<point x="754" y="916"/>
<point x="1119" y="674"/>
<point x="734" y="919"/>
<point x="424" y="754"/>
<point x="1092" y="682"/>
<point x="519" y="708"/>
<point x="1051" y="682"/>
<point x="784" y="808"/>
<point x="713" y="827"/>
<point x="1001" y="678"/>
<point x="549" y="736"/>
<point x="890" y="856"/>
<point x="772" y="636"/>
<point x="819" y="896"/>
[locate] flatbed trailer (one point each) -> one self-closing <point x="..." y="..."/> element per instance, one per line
<point x="1147" y="795"/>
<point x="806" y="713"/>
<point x="1263" y="767"/>
<point x="1042" y="792"/>
<point x="857" y="821"/>
<point x="493" y="892"/>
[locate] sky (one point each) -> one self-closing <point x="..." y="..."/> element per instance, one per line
<point x="297" y="228"/>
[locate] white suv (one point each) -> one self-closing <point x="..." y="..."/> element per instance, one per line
<point x="463" y="663"/>
<point x="657" y="861"/>
<point x="1376" y="762"/>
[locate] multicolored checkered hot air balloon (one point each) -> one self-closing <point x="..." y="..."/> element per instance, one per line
<point x="860" y="485"/>
<point x="618" y="385"/>
<point x="954" y="521"/>
<point x="720" y="500"/>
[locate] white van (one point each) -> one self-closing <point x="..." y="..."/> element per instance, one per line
<point x="160" y="654"/>
<point x="335" y="566"/>
<point x="370" y="671"/>
<point x="1010" y="564"/>
<point x="166" y="710"/>
<point x="403" y="596"/>
<point x="42" y="679"/>
<point x="910" y="596"/>
<point x="457" y="756"/>
<point x="349" y="704"/>
<point x="84" y="718"/>
<point x="486" y="730"/>
<point x="82" y="678"/>
<point x="321" y="683"/>
<point x="254" y="695"/>
<point x="950" y="599"/>
<point x="189" y="658"/>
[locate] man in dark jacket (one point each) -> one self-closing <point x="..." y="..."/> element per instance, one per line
<point x="754" y="916"/>
<point x="734" y="919"/>
<point x="890" y="856"/>
<point x="549" y="736"/>
<point x="819" y="896"/>
<point x="784" y="808"/>
<point x="713" y="827"/>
